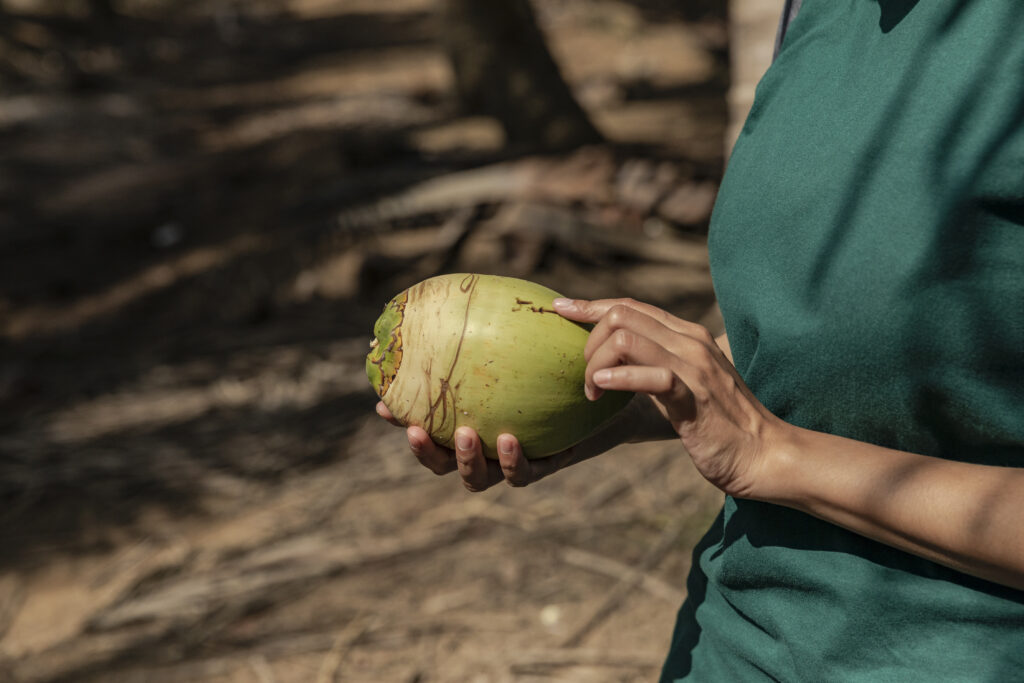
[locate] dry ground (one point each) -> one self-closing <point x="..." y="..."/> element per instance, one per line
<point x="201" y="213"/>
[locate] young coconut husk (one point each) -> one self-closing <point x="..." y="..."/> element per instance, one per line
<point x="490" y="353"/>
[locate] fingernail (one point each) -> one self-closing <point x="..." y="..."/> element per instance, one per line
<point x="415" y="446"/>
<point x="588" y="391"/>
<point x="563" y="304"/>
<point x="602" y="376"/>
<point x="463" y="442"/>
<point x="505" y="446"/>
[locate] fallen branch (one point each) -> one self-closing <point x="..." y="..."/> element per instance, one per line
<point x="12" y="595"/>
<point x="192" y="604"/>
<point x="199" y="669"/>
<point x="261" y="668"/>
<point x="343" y="643"/>
<point x="613" y="487"/>
<point x="489" y="184"/>
<point x="563" y="226"/>
<point x="264" y="573"/>
<point x="533" y="662"/>
<point x="601" y="564"/>
<point x="668" y="540"/>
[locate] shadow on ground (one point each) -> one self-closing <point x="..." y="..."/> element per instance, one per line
<point x="172" y="176"/>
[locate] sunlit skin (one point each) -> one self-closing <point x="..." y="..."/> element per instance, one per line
<point x="965" y="516"/>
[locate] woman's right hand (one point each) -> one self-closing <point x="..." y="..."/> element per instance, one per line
<point x="639" y="421"/>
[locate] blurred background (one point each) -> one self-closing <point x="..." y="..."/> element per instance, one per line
<point x="203" y="208"/>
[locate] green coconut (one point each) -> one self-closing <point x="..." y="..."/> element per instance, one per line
<point x="490" y="353"/>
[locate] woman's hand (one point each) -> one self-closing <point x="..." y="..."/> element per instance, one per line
<point x="641" y="348"/>
<point x="478" y="473"/>
<point x="640" y="420"/>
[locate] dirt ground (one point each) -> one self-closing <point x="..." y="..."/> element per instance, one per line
<point x="203" y="208"/>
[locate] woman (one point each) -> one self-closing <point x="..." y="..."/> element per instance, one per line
<point x="865" y="414"/>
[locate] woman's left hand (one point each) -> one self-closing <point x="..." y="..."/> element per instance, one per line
<point x="641" y="348"/>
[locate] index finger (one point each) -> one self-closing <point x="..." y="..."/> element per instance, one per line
<point x="584" y="311"/>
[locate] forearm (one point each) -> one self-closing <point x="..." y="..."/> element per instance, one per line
<point x="965" y="516"/>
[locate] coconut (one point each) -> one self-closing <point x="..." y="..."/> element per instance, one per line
<point x="490" y="353"/>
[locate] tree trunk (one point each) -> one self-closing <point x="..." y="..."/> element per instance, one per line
<point x="504" y="69"/>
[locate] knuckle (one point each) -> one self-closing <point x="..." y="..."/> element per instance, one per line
<point x="701" y="387"/>
<point x="616" y="316"/>
<point x="699" y="356"/>
<point x="619" y="314"/>
<point x="622" y="340"/>
<point x="697" y="386"/>
<point x="676" y="386"/>
<point x="681" y="388"/>
<point x="708" y="361"/>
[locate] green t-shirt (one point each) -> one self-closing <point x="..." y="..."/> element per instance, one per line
<point x="867" y="249"/>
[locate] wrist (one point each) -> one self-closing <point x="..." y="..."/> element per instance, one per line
<point x="780" y="478"/>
